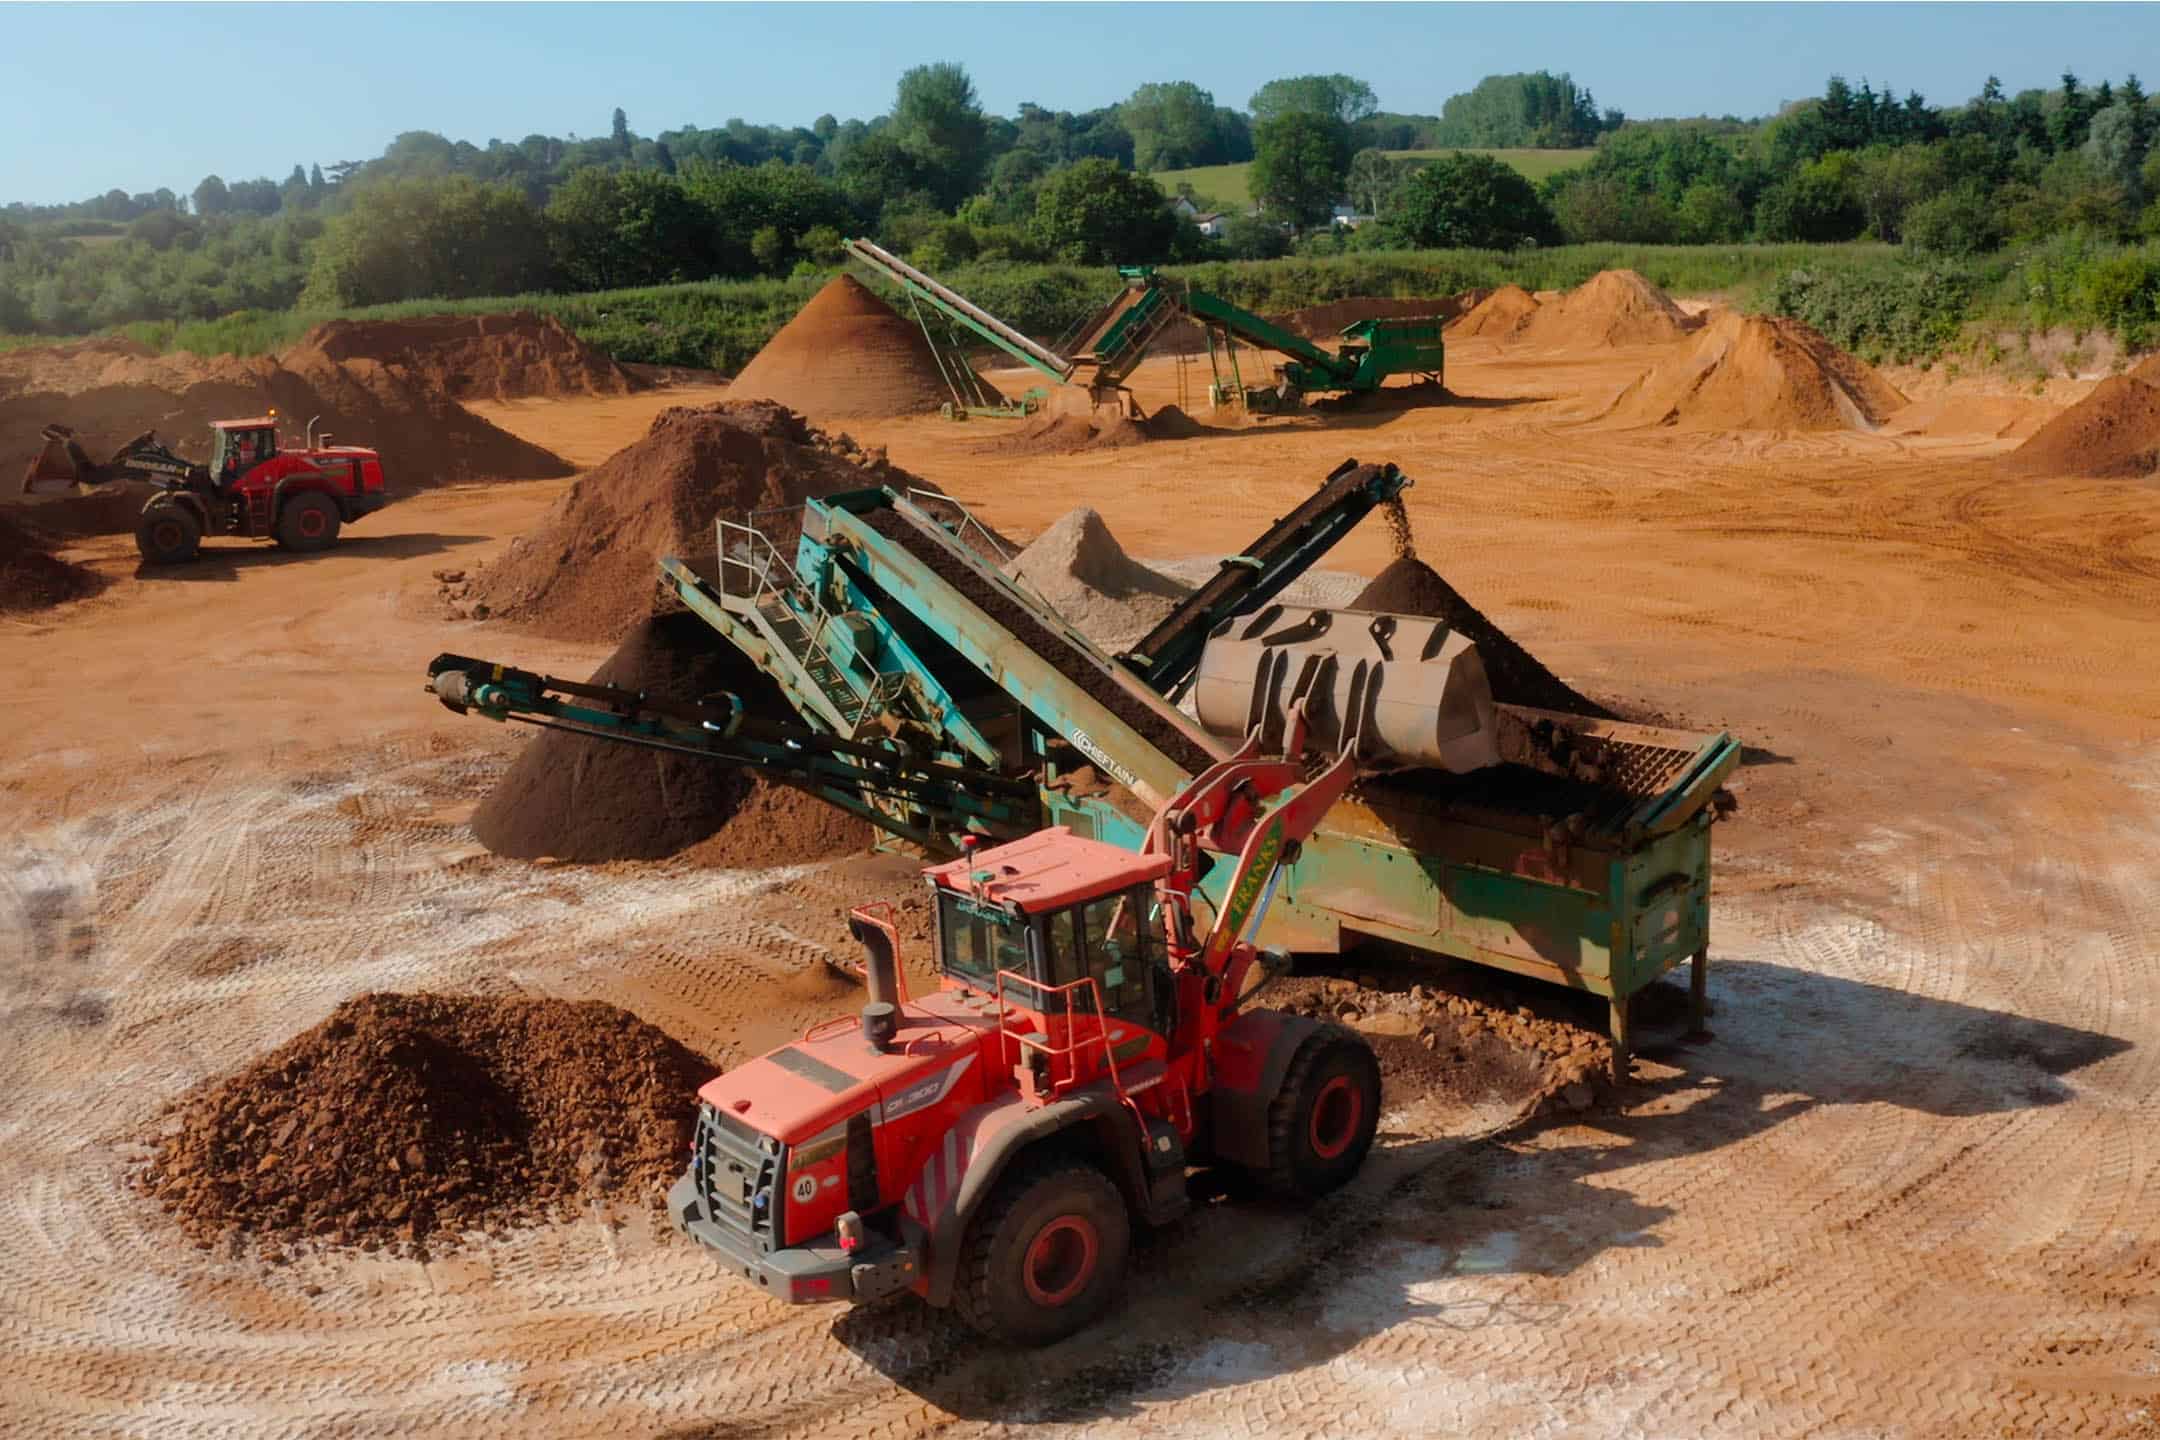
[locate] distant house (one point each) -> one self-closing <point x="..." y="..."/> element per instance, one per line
<point x="1346" y="217"/>
<point x="1185" y="209"/>
<point x="1210" y="223"/>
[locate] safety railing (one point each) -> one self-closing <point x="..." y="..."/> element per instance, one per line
<point x="768" y="579"/>
<point x="1041" y="1044"/>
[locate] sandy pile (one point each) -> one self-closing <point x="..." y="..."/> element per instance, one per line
<point x="31" y="576"/>
<point x="110" y="393"/>
<point x="1409" y="586"/>
<point x="1993" y="417"/>
<point x="575" y="798"/>
<point x="846" y="355"/>
<point x="2113" y="433"/>
<point x="478" y="357"/>
<point x="589" y="570"/>
<point x="1758" y="372"/>
<point x="1501" y="314"/>
<point x="1613" y="307"/>
<point x="406" y="1120"/>
<point x="1078" y="566"/>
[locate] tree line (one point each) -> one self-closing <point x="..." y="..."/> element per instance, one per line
<point x="937" y="178"/>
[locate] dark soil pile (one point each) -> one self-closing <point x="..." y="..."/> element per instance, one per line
<point x="1409" y="586"/>
<point x="589" y="570"/>
<point x="1759" y="372"/>
<point x="846" y="355"/>
<point x="1065" y="432"/>
<point x="479" y="357"/>
<point x="2113" y="433"/>
<point x="1327" y="322"/>
<point x="109" y="397"/>
<point x="574" y="798"/>
<point x="31" y="576"/>
<point x="407" y="1120"/>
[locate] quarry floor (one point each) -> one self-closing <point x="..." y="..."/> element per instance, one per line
<point x="1907" y="1187"/>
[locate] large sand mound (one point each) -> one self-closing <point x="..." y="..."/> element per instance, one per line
<point x="1613" y="307"/>
<point x="408" y="1120"/>
<point x="846" y="355"/>
<point x="1078" y="566"/>
<point x="31" y="576"/>
<point x="580" y="799"/>
<point x="110" y="394"/>
<point x="2113" y="433"/>
<point x="588" y="570"/>
<point x="1758" y="372"/>
<point x="479" y="357"/>
<point x="1500" y="315"/>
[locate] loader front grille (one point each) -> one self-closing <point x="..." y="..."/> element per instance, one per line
<point x="737" y="1172"/>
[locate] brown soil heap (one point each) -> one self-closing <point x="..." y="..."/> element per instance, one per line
<point x="110" y="395"/>
<point x="1068" y="432"/>
<point x="589" y="570"/>
<point x="1078" y="566"/>
<point x="846" y="355"/>
<point x="407" y="1120"/>
<point x="1498" y="316"/>
<point x="1411" y="587"/>
<point x="1613" y="307"/>
<point x="1758" y="372"/>
<point x="478" y="357"/>
<point x="576" y="798"/>
<point x="2112" y="434"/>
<point x="1327" y="322"/>
<point x="31" y="576"/>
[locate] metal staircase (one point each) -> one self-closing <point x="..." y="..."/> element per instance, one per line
<point x="764" y="594"/>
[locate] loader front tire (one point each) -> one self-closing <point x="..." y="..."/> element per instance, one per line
<point x="1046" y="1256"/>
<point x="308" y="522"/>
<point x="1321" y="1123"/>
<point x="168" y="534"/>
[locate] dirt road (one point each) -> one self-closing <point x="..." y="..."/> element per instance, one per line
<point x="1906" y="1188"/>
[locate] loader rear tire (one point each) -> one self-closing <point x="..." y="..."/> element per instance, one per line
<point x="308" y="522"/>
<point x="168" y="534"/>
<point x="1046" y="1255"/>
<point x="1321" y="1123"/>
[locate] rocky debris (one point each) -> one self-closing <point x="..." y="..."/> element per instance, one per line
<point x="408" y="1122"/>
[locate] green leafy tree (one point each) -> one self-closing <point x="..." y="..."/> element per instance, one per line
<point x="619" y="131"/>
<point x="1299" y="160"/>
<point x="436" y="238"/>
<point x="211" y="197"/>
<point x="1472" y="202"/>
<point x="736" y="201"/>
<point x="1371" y="181"/>
<point x="1817" y="202"/>
<point x="609" y="229"/>
<point x="1173" y="125"/>
<point x="1956" y="225"/>
<point x="1709" y="214"/>
<point x="1342" y="98"/>
<point x="1888" y="180"/>
<point x="1093" y="213"/>
<point x="1506" y="111"/>
<point x="1255" y="237"/>
<point x="937" y="120"/>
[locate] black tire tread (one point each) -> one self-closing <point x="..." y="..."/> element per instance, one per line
<point x="1281" y="1177"/>
<point x="972" y="1289"/>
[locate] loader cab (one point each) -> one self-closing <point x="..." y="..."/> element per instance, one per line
<point x="243" y="443"/>
<point x="1042" y="916"/>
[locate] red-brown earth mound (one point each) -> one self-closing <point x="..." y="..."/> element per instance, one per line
<point x="2112" y="434"/>
<point x="1499" y="315"/>
<point x="1758" y="372"/>
<point x="574" y="798"/>
<point x="479" y="357"/>
<point x="31" y="576"/>
<point x="407" y="1120"/>
<point x="1613" y="307"/>
<point x="589" y="570"/>
<point x="846" y="355"/>
<point x="1409" y="586"/>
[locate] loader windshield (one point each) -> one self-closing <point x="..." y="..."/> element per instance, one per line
<point x="976" y="940"/>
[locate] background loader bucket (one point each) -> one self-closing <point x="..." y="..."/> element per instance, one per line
<point x="61" y="466"/>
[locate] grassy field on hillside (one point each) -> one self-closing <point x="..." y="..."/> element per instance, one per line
<point x="1226" y="184"/>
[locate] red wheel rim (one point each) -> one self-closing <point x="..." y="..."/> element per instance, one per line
<point x="311" y="523"/>
<point x="167" y="536"/>
<point x="1060" y="1260"/>
<point x="1336" y="1111"/>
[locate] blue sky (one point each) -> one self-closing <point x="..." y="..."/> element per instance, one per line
<point x="97" y="96"/>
